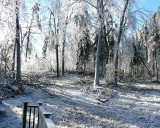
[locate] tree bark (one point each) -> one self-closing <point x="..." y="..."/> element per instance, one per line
<point x="106" y="45"/>
<point x="57" y="60"/>
<point x="106" y="35"/>
<point x="13" y="63"/>
<point x="63" y="45"/>
<point x="18" y="75"/>
<point x="28" y="35"/>
<point x="118" y="42"/>
<point x="63" y="57"/>
<point x="97" y="65"/>
<point x="27" y="45"/>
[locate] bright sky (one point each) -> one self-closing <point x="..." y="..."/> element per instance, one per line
<point x="151" y="5"/>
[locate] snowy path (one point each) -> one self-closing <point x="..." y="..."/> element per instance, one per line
<point x="127" y="109"/>
<point x="74" y="108"/>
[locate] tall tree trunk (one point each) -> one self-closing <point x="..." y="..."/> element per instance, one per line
<point x="57" y="60"/>
<point x="106" y="35"/>
<point x="118" y="42"/>
<point x="27" y="46"/>
<point x="116" y="68"/>
<point x="56" y="30"/>
<point x="28" y="35"/>
<point x="13" y="63"/>
<point x="63" y="45"/>
<point x="97" y="65"/>
<point x="63" y="57"/>
<point x="106" y="46"/>
<point x="18" y="75"/>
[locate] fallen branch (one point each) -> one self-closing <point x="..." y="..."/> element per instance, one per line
<point x="104" y="100"/>
<point x="14" y="89"/>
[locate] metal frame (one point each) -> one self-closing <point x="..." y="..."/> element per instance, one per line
<point x="34" y="111"/>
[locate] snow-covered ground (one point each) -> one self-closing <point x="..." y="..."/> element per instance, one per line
<point x="75" y="104"/>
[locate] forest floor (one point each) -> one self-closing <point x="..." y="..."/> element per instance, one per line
<point x="75" y="103"/>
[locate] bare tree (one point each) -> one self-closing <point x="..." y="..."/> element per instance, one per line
<point x="118" y="42"/>
<point x="13" y="60"/>
<point x="97" y="65"/>
<point x="64" y="43"/>
<point x="18" y="75"/>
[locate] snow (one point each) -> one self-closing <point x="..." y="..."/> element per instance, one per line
<point x="74" y="104"/>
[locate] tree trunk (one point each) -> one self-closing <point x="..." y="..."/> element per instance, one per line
<point x="119" y="39"/>
<point x="106" y="50"/>
<point x="97" y="65"/>
<point x="116" y="69"/>
<point x="27" y="45"/>
<point x="28" y="35"/>
<point x="63" y="46"/>
<point x="18" y="75"/>
<point x="13" y="63"/>
<point x="57" y="60"/>
<point x="106" y="45"/>
<point x="63" y="57"/>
